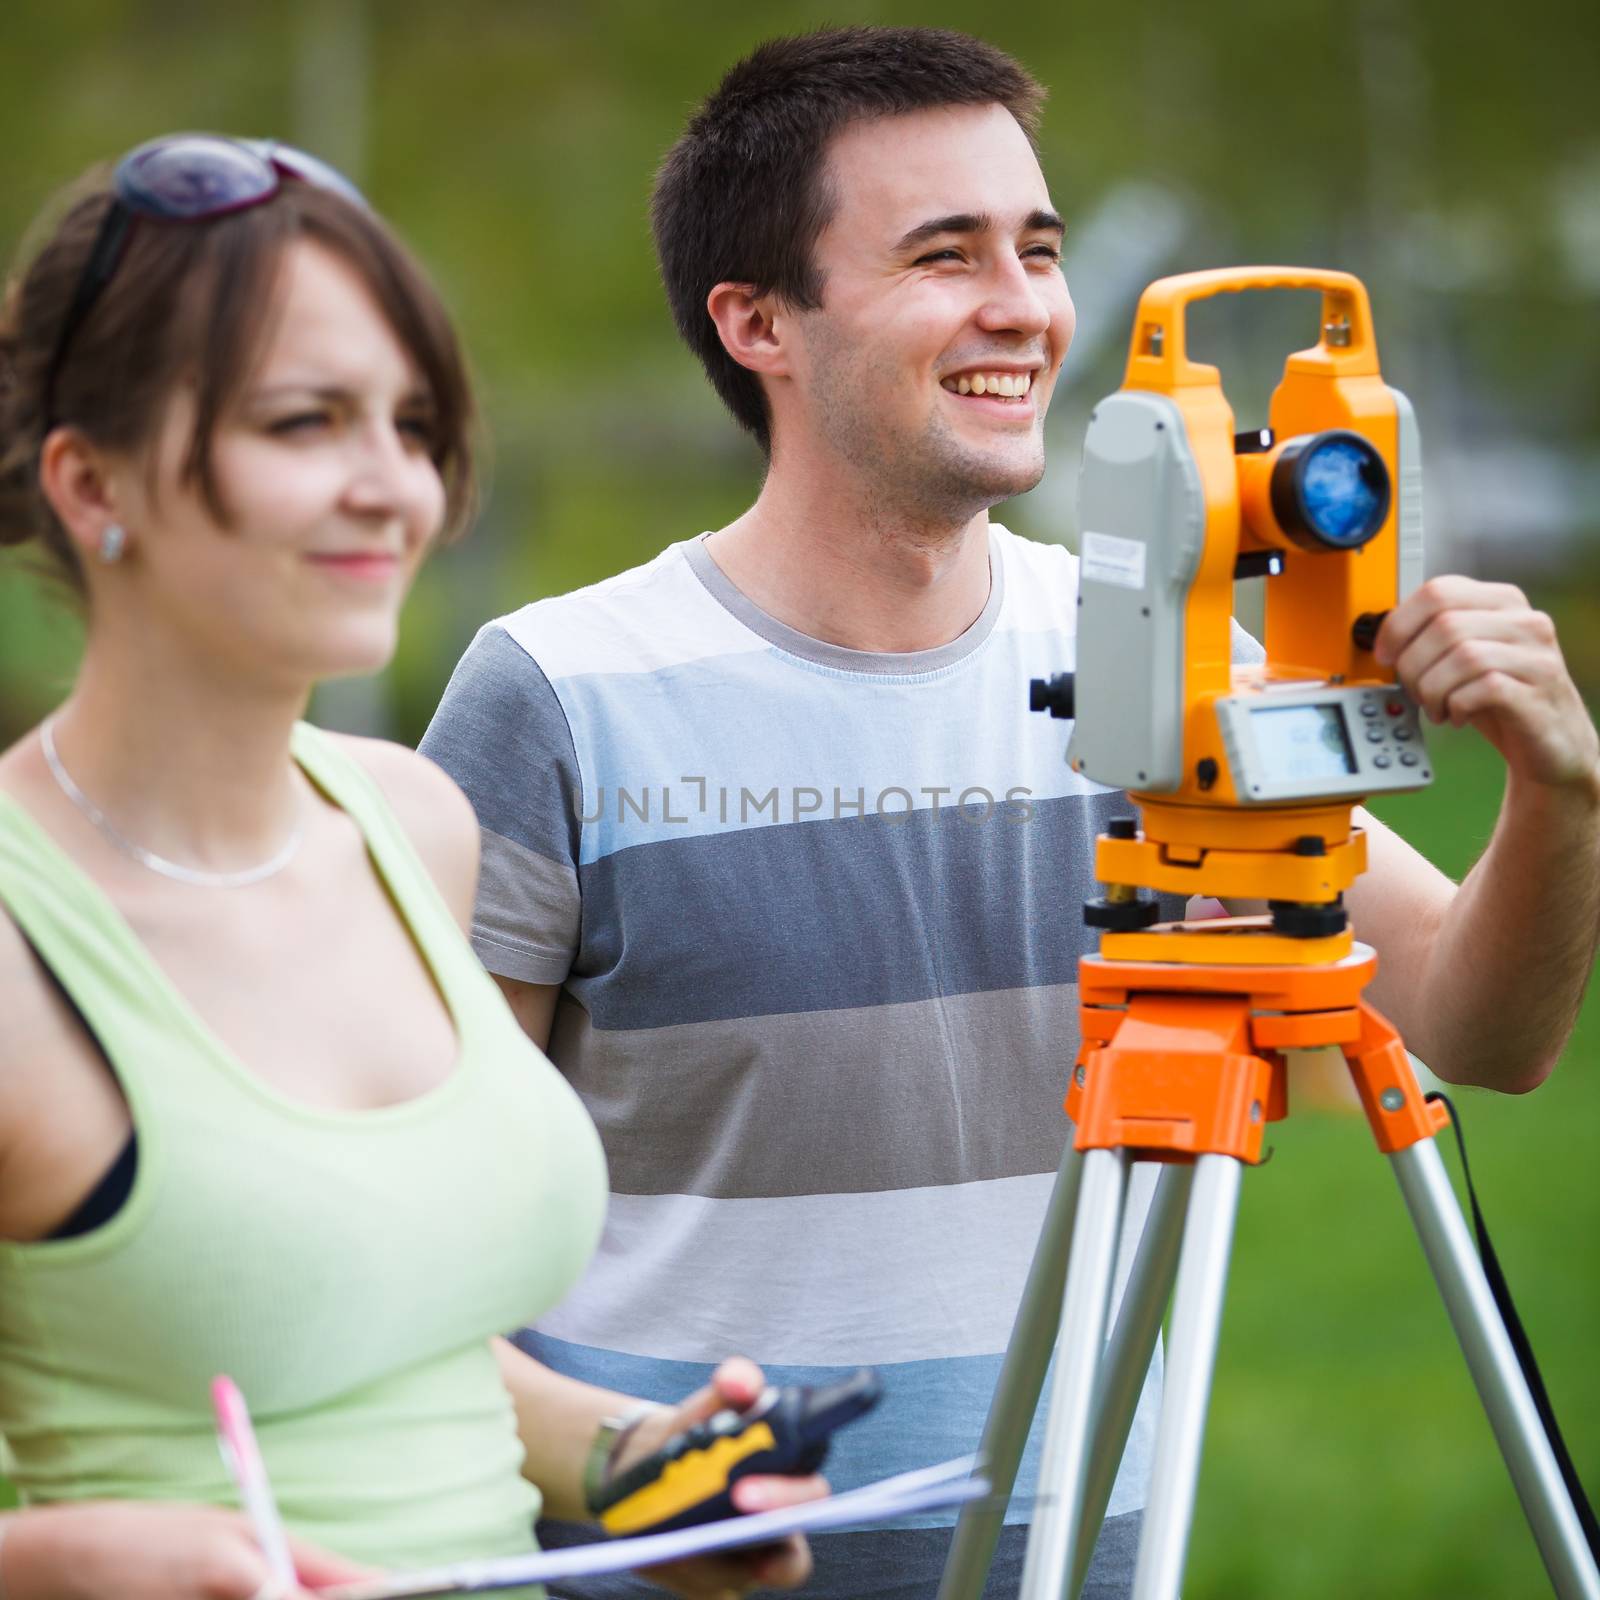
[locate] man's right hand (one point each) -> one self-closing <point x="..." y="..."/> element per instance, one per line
<point x="128" y="1550"/>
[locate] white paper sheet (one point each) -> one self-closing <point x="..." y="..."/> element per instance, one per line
<point x="928" y="1489"/>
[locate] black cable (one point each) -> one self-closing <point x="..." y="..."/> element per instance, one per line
<point x="1501" y="1291"/>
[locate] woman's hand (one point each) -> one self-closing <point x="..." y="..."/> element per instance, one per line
<point x="128" y="1550"/>
<point x="735" y="1385"/>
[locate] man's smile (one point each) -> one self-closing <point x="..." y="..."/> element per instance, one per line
<point x="1005" y="385"/>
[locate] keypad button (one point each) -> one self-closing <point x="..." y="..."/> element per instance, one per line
<point x="1369" y="708"/>
<point x="1374" y="735"/>
<point x="1381" y="760"/>
<point x="1403" y="732"/>
<point x="1409" y="758"/>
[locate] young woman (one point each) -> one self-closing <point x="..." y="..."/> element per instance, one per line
<point x="261" y="1111"/>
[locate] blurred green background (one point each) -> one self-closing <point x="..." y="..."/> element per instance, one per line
<point x="1449" y="153"/>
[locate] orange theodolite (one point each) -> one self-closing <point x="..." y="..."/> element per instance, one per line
<point x="1245" y="778"/>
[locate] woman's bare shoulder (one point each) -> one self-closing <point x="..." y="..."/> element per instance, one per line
<point x="437" y="817"/>
<point x="37" y="1031"/>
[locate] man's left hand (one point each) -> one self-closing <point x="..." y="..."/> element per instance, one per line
<point x="1478" y="655"/>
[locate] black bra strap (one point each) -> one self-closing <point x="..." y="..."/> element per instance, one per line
<point x="107" y="1197"/>
<point x="111" y="1193"/>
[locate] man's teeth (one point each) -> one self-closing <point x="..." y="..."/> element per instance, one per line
<point x="1009" y="385"/>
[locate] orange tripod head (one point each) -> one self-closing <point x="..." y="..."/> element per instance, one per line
<point x="1245" y="775"/>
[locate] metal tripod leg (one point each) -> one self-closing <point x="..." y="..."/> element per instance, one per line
<point x="1493" y="1363"/>
<point x="1196" y="1322"/>
<point x="1129" y="1351"/>
<point x="1048" y="1565"/>
<point x="1016" y="1395"/>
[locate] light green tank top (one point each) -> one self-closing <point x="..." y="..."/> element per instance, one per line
<point x="345" y="1268"/>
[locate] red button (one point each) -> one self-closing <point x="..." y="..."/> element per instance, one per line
<point x="1396" y="708"/>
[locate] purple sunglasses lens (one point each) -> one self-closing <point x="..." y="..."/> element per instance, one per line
<point x="186" y="178"/>
<point x="307" y="168"/>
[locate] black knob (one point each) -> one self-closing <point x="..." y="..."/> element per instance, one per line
<point x="1121" y="916"/>
<point x="1123" y="828"/>
<point x="1301" y="920"/>
<point x="1053" y="694"/>
<point x="1364" y="630"/>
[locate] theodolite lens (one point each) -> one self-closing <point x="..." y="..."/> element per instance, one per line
<point x="1330" y="491"/>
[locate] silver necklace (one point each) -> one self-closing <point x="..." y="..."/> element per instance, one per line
<point x="148" y="858"/>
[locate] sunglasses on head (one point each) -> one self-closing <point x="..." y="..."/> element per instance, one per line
<point x="186" y="177"/>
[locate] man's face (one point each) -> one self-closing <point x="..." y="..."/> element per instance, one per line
<point x="941" y="273"/>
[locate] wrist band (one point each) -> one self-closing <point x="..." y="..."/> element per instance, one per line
<point x="609" y="1438"/>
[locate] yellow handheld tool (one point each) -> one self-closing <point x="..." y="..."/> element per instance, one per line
<point x="690" y="1479"/>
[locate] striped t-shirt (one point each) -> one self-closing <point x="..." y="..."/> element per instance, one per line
<point x="817" y="913"/>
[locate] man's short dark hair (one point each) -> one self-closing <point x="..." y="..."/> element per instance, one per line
<point x="743" y="195"/>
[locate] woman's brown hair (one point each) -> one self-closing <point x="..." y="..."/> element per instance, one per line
<point x="191" y="300"/>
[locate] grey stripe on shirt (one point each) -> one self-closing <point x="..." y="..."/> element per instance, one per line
<point x="792" y="917"/>
<point x="498" y="731"/>
<point x="950" y="1090"/>
<point x="526" y="921"/>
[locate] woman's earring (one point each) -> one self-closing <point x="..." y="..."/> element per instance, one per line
<point x="112" y="542"/>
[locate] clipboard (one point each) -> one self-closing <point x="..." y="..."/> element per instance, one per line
<point x="938" y="1488"/>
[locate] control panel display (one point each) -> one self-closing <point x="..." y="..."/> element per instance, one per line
<point x="1299" y="742"/>
<point x="1316" y="741"/>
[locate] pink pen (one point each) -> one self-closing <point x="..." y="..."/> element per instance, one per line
<point x="242" y="1457"/>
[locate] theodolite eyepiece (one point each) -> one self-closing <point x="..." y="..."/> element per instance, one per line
<point x="1330" y="491"/>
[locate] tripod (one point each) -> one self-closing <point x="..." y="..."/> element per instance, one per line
<point x="1182" y="1063"/>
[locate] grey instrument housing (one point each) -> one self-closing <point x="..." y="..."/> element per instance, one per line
<point x="1144" y="518"/>
<point x="1409" y="490"/>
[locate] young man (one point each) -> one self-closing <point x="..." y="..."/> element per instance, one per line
<point x="777" y="862"/>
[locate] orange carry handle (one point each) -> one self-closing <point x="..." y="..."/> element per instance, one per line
<point x="1158" y="359"/>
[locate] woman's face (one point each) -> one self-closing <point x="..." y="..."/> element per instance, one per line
<point x="322" y="463"/>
